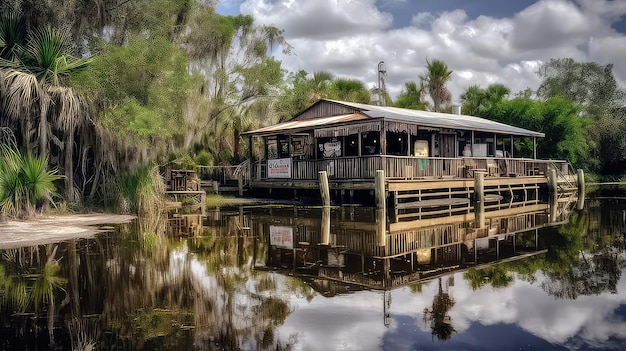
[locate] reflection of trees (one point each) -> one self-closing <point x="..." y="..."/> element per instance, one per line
<point x="438" y="317"/>
<point x="30" y="282"/>
<point x="138" y="289"/>
<point x="584" y="254"/>
<point x="496" y="275"/>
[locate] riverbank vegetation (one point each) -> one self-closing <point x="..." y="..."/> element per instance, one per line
<point x="112" y="89"/>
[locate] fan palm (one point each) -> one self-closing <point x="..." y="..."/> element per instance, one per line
<point x="34" y="81"/>
<point x="435" y="80"/>
<point x="412" y="96"/>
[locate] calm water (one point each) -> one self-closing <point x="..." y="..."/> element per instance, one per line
<point x="295" y="278"/>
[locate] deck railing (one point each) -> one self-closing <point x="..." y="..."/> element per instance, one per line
<point x="405" y="167"/>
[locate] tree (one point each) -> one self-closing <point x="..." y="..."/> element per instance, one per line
<point x="594" y="88"/>
<point x="477" y="101"/>
<point x="35" y="78"/>
<point x="349" y="90"/>
<point x="412" y="96"/>
<point x="560" y="120"/>
<point x="435" y="80"/>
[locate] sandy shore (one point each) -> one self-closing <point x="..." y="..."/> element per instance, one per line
<point x="52" y="229"/>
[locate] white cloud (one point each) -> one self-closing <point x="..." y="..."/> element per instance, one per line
<point x="319" y="19"/>
<point x="349" y="37"/>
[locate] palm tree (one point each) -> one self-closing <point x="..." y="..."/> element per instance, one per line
<point x="477" y="101"/>
<point x="35" y="81"/>
<point x="412" y="96"/>
<point x="435" y="80"/>
<point x="349" y="90"/>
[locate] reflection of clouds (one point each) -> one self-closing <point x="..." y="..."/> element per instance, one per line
<point x="355" y="321"/>
<point x="589" y="318"/>
<point x="346" y="322"/>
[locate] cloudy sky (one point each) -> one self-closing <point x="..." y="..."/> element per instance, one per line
<point x="482" y="41"/>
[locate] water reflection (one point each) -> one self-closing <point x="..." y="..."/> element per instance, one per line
<point x="261" y="278"/>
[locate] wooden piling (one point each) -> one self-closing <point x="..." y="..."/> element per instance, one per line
<point x="324" y="188"/>
<point x="552" y="182"/>
<point x="381" y="228"/>
<point x="379" y="189"/>
<point x="325" y="240"/>
<point x="479" y="199"/>
<point x="580" y="204"/>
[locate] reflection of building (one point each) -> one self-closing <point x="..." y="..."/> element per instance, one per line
<point x="349" y="247"/>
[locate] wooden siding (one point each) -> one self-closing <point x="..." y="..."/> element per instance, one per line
<point x="325" y="109"/>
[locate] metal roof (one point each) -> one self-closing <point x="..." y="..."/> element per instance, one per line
<point x="309" y="123"/>
<point x="439" y="120"/>
<point x="417" y="117"/>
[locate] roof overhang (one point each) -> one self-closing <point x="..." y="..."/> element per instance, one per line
<point x="291" y="127"/>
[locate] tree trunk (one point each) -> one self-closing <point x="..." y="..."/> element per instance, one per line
<point x="69" y="166"/>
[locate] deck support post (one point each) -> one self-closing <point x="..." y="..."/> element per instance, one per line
<point x="580" y="204"/>
<point x="379" y="189"/>
<point x="240" y="183"/>
<point x="552" y="182"/>
<point x="479" y="199"/>
<point x="324" y="188"/>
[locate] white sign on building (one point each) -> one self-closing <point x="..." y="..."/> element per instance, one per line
<point x="279" y="168"/>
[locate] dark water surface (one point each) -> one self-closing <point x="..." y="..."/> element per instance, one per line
<point x="296" y="278"/>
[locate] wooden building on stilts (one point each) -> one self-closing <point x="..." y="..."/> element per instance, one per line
<point x="428" y="164"/>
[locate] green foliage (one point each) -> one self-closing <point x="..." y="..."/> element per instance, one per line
<point x="138" y="191"/>
<point x="560" y="120"/>
<point x="477" y="101"/>
<point x="204" y="158"/>
<point x="24" y="181"/>
<point x="143" y="88"/>
<point x="349" y="90"/>
<point x="435" y="80"/>
<point x="412" y="97"/>
<point x="593" y="87"/>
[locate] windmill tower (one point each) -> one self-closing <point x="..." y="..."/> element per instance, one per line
<point x="382" y="72"/>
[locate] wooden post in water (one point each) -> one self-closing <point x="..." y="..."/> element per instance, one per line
<point x="580" y="204"/>
<point x="325" y="239"/>
<point x="381" y="228"/>
<point x="379" y="189"/>
<point x="553" y="194"/>
<point x="479" y="199"/>
<point x="324" y="188"/>
<point x="552" y="182"/>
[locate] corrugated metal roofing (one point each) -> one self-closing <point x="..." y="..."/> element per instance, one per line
<point x="439" y="120"/>
<point x="309" y="123"/>
<point x="421" y="118"/>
